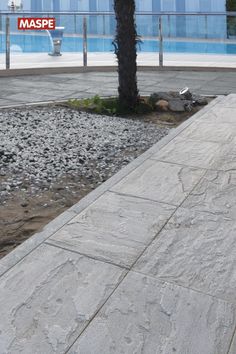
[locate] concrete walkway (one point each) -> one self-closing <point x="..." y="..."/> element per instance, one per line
<point x="43" y="60"/>
<point x="28" y="89"/>
<point x="143" y="264"/>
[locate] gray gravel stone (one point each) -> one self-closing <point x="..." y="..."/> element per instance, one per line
<point x="41" y="145"/>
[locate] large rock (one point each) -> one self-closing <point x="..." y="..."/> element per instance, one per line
<point x="176" y="105"/>
<point x="201" y="101"/>
<point x="162" y="105"/>
<point x="157" y="96"/>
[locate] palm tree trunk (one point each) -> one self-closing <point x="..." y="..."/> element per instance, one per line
<point x="126" y="38"/>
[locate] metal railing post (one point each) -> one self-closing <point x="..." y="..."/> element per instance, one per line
<point x="160" y="43"/>
<point x="169" y="24"/>
<point x="7" y="42"/>
<point x="85" y="42"/>
<point x="104" y="24"/>
<point x="75" y="22"/>
<point x="206" y="27"/>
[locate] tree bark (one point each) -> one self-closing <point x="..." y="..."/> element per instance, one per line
<point x="125" y="42"/>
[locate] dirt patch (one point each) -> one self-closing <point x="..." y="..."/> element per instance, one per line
<point x="23" y="215"/>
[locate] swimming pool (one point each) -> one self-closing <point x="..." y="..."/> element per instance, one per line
<point x="31" y="43"/>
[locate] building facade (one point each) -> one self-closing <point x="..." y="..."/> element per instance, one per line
<point x="174" y="26"/>
<point x="106" y="5"/>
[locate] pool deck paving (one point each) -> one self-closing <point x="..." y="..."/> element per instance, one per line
<point x="143" y="264"/>
<point x="20" y="60"/>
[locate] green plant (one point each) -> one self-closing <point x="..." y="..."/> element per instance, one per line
<point x="112" y="106"/>
<point x="96" y="104"/>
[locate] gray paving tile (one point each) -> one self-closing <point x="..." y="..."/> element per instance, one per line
<point x="6" y="102"/>
<point x="190" y="152"/>
<point x="180" y="83"/>
<point x="222" y="81"/>
<point x="210" y="131"/>
<point x="216" y="193"/>
<point x="48" y="299"/>
<point x="103" y="92"/>
<point x="207" y="89"/>
<point x="160" y="181"/>
<point x="226" y="159"/>
<point x="196" y="250"/>
<point x="230" y="101"/>
<point x="197" y="75"/>
<point x="147" y="316"/>
<point x="30" y="97"/>
<point x="220" y="115"/>
<point x="156" y="75"/>
<point x="2" y="269"/>
<point x="233" y="345"/>
<point x="114" y="228"/>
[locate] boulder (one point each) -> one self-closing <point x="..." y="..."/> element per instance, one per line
<point x="201" y="101"/>
<point x="162" y="105"/>
<point x="157" y="96"/>
<point x="177" y="105"/>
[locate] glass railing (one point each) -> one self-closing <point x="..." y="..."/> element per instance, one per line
<point x="91" y="33"/>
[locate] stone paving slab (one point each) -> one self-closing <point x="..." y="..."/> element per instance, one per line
<point x="208" y="131"/>
<point x="49" y="298"/>
<point x="115" y="228"/>
<point x="233" y="345"/>
<point x="148" y="316"/>
<point x="196" y="250"/>
<point x="216" y="193"/>
<point x="221" y="115"/>
<point x="230" y="101"/>
<point x="226" y="160"/>
<point x="160" y="181"/>
<point x="2" y="269"/>
<point x="190" y="152"/>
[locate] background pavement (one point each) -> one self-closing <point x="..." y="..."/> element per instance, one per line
<point x="38" y="88"/>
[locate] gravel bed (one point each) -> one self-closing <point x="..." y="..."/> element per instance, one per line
<point x="40" y="146"/>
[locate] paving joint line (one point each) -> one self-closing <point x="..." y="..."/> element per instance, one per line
<point x="97" y="312"/>
<point x="231" y="342"/>
<point x="94" y="258"/>
<point x="187" y="166"/>
<point x="184" y="287"/>
<point x="141" y="198"/>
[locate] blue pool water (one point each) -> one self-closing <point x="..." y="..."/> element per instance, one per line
<point x="41" y="43"/>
